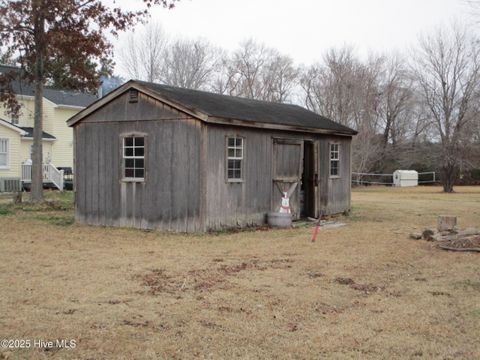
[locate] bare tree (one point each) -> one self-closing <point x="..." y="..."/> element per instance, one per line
<point x="142" y="55"/>
<point x="330" y="88"/>
<point x="279" y="77"/>
<point x="396" y="99"/>
<point x="347" y="91"/>
<point x="190" y="64"/>
<point x="447" y="70"/>
<point x="257" y="72"/>
<point x="151" y="56"/>
<point x="244" y="70"/>
<point x="222" y="79"/>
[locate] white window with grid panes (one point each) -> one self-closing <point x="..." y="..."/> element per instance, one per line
<point x="134" y="158"/>
<point x="4" y="153"/>
<point x="235" y="153"/>
<point x="334" y="160"/>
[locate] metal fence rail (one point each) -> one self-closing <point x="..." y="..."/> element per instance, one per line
<point x="386" y="179"/>
<point x="359" y="178"/>
<point x="427" y="181"/>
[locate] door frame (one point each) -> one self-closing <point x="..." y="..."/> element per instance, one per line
<point x="315" y="193"/>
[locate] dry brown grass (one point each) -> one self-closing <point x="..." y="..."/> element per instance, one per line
<point x="361" y="291"/>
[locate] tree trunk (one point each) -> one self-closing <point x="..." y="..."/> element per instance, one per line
<point x="449" y="176"/>
<point x="36" y="194"/>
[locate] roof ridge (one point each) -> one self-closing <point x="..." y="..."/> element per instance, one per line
<point x="76" y="92"/>
<point x="216" y="94"/>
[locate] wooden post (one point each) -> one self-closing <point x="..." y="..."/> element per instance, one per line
<point x="446" y="222"/>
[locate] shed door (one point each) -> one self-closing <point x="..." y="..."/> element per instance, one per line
<point x="287" y="170"/>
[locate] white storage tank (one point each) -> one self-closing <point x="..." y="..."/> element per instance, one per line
<point x="405" y="178"/>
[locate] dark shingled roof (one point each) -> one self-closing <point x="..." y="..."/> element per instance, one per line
<point x="28" y="130"/>
<point x="59" y="97"/>
<point x="238" y="108"/>
<point x="29" y="134"/>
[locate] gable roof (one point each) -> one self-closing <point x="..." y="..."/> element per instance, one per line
<point x="13" y="127"/>
<point x="216" y="108"/>
<point x="58" y="97"/>
<point x="29" y="133"/>
<point x="25" y="132"/>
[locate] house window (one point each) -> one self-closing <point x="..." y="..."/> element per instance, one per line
<point x="334" y="160"/>
<point x="234" y="158"/>
<point x="134" y="158"/>
<point x="3" y="153"/>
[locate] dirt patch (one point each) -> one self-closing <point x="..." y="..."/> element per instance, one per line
<point x="255" y="264"/>
<point x="440" y="293"/>
<point x="282" y="263"/>
<point x="204" y="280"/>
<point x="113" y="302"/>
<point x="137" y="324"/>
<point x="325" y="309"/>
<point x="236" y="268"/>
<point x="292" y="327"/>
<point x="157" y="281"/>
<point x="344" y="281"/>
<point x="69" y="312"/>
<point x="365" y="288"/>
<point x="209" y="324"/>
<point x="315" y="274"/>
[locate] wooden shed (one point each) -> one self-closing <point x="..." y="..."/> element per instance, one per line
<point x="160" y="157"/>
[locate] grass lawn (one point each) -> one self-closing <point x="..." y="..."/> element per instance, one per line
<point x="361" y="291"/>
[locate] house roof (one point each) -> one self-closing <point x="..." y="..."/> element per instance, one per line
<point x="29" y="133"/>
<point x="13" y="127"/>
<point x="25" y="132"/>
<point x="58" y="97"/>
<point x="238" y="108"/>
<point x="216" y="108"/>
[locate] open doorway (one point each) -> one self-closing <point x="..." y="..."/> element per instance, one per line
<point x="309" y="180"/>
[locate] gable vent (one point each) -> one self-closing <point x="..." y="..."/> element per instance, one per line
<point x="133" y="96"/>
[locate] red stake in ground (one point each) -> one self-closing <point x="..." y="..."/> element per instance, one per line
<point x="315" y="230"/>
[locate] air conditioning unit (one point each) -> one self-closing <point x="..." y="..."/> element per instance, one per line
<point x="10" y="185"/>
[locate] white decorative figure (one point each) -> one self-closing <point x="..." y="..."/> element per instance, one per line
<point x="285" y="207"/>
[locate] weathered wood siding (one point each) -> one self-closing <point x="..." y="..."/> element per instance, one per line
<point x="335" y="193"/>
<point x="246" y="203"/>
<point x="171" y="196"/>
<point x="232" y="204"/>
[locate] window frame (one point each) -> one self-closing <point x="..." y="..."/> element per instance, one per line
<point x="337" y="160"/>
<point x="7" y="153"/>
<point x="123" y="168"/>
<point x="242" y="158"/>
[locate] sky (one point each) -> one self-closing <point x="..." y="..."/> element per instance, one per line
<point x="304" y="29"/>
